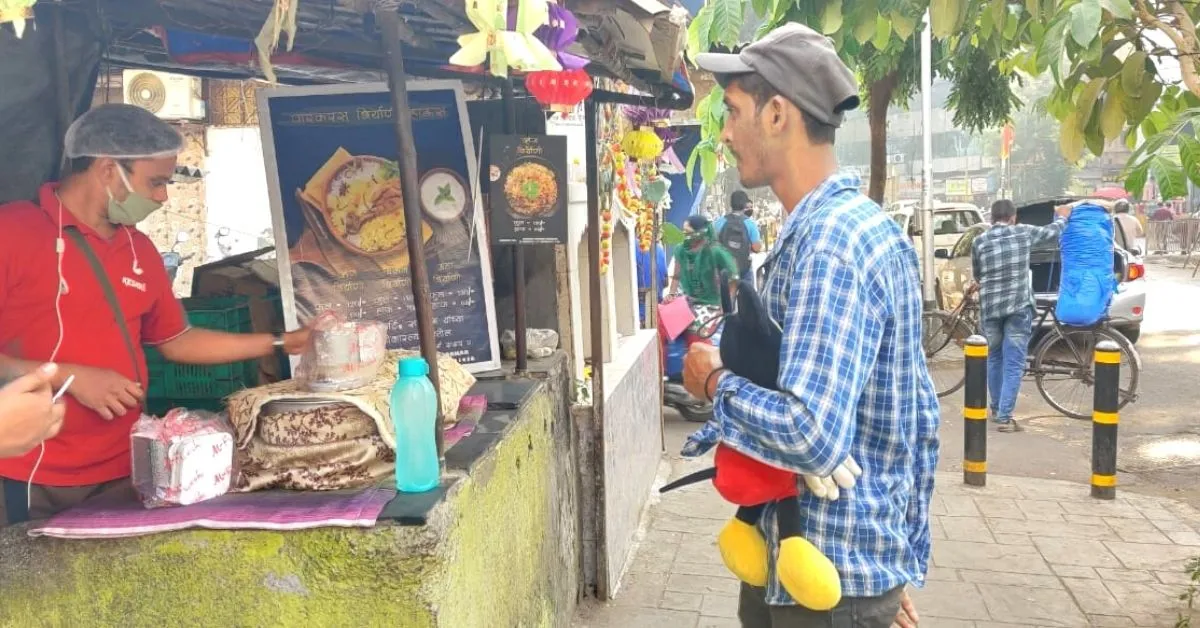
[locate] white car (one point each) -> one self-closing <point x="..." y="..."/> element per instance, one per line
<point x="1128" y="305"/>
<point x="950" y="221"/>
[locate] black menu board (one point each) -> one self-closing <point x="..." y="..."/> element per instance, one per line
<point x="528" y="189"/>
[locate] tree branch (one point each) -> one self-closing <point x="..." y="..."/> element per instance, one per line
<point x="1183" y="36"/>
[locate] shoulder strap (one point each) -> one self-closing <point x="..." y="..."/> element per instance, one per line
<point x="110" y="295"/>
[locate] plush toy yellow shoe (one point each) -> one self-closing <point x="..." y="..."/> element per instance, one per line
<point x="744" y="551"/>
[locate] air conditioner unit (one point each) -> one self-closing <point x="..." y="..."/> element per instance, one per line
<point x="169" y="96"/>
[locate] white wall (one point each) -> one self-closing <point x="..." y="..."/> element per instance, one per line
<point x="236" y="191"/>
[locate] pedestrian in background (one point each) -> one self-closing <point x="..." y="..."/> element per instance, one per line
<point x="1000" y="262"/>
<point x="738" y="232"/>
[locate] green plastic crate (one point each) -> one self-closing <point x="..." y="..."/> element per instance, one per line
<point x="202" y="387"/>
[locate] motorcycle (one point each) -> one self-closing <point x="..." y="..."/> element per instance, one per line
<point x="173" y="259"/>
<point x="675" y="396"/>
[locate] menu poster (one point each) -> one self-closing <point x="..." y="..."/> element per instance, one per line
<point x="336" y="201"/>
<point x="528" y="189"/>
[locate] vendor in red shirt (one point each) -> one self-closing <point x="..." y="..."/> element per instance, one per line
<point x="55" y="308"/>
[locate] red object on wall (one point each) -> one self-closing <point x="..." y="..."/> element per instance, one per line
<point x="559" y="91"/>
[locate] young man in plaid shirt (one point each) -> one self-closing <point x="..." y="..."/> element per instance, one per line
<point x="1000" y="261"/>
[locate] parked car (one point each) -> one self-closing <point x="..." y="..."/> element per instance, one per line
<point x="1128" y="303"/>
<point x="950" y="221"/>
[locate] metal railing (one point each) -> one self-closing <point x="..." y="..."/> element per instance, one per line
<point x="1181" y="235"/>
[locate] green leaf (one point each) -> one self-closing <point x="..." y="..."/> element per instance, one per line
<point x="708" y="165"/>
<point x="1035" y="9"/>
<point x="903" y="25"/>
<point x="944" y="15"/>
<point x="1085" y="22"/>
<point x="1050" y="51"/>
<point x="1133" y="74"/>
<point x="1010" y="28"/>
<point x="999" y="11"/>
<point x="1070" y="141"/>
<point x="670" y="235"/>
<point x="1135" y="179"/>
<point x="987" y="24"/>
<point x="1189" y="157"/>
<point x="1119" y="9"/>
<point x="1112" y="113"/>
<point x="727" y="17"/>
<point x="1037" y="31"/>
<point x="883" y="33"/>
<point x="1094" y="139"/>
<point x="1131" y="138"/>
<point x="1137" y="108"/>
<point x="831" y="17"/>
<point x="1086" y="104"/>
<point x="762" y="7"/>
<point x="1168" y="173"/>
<point x="690" y="168"/>
<point x="864" y="30"/>
<point x="698" y="39"/>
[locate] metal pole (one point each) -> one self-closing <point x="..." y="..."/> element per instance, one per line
<point x="927" y="276"/>
<point x="975" y="413"/>
<point x="1105" y="404"/>
<point x="389" y="26"/>
<point x="518" y="253"/>
<point x="593" y="235"/>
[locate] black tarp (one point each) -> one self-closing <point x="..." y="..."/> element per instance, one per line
<point x="30" y="133"/>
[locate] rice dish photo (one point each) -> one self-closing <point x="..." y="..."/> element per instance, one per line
<point x="365" y="205"/>
<point x="531" y="189"/>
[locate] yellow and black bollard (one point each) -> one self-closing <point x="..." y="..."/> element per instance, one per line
<point x="1104" y="420"/>
<point x="975" y="412"/>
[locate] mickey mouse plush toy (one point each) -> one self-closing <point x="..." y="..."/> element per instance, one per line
<point x="806" y="574"/>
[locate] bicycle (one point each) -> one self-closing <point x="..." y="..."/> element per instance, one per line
<point x="1063" y="353"/>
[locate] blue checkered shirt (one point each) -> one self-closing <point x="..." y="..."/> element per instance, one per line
<point x="1000" y="263"/>
<point x="844" y="282"/>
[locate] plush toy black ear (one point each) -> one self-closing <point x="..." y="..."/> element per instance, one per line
<point x="750" y="340"/>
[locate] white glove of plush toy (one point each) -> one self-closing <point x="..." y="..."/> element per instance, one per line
<point x="843" y="476"/>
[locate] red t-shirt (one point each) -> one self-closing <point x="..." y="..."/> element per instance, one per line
<point x="88" y="450"/>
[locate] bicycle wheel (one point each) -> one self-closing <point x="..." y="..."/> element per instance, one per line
<point x="1064" y="372"/>
<point x="942" y="337"/>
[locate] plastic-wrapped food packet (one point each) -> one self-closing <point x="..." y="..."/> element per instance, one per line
<point x="342" y="354"/>
<point x="183" y="458"/>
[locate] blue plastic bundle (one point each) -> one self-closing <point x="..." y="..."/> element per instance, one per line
<point x="1087" y="282"/>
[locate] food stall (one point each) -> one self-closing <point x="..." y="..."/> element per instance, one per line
<point x="533" y="510"/>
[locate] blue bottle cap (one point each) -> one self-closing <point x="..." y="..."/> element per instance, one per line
<point x="413" y="366"/>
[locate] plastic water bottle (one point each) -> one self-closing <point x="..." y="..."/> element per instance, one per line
<point x="414" y="412"/>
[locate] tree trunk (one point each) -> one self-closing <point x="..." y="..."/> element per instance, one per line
<point x="879" y="97"/>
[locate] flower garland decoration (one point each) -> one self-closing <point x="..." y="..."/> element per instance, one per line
<point x="517" y="48"/>
<point x="17" y="12"/>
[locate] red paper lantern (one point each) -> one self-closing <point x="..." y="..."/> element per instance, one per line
<point x="559" y="91"/>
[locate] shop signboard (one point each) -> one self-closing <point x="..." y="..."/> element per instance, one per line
<point x="338" y="213"/>
<point x="528" y="189"/>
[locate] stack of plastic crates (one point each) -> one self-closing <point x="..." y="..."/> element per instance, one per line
<point x="202" y="387"/>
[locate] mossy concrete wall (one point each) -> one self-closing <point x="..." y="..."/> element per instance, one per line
<point x="491" y="555"/>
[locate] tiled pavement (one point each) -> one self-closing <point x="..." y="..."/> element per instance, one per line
<point x="1020" y="552"/>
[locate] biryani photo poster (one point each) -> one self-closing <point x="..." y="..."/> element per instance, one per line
<point x="338" y="205"/>
<point x="528" y="179"/>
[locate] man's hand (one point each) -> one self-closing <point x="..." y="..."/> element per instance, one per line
<point x="108" y="393"/>
<point x="701" y="360"/>
<point x="28" y="414"/>
<point x="844" y="476"/>
<point x="906" y="617"/>
<point x="1064" y="211"/>
<point x="295" y="342"/>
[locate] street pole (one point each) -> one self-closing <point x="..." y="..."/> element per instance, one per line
<point x="927" y="276"/>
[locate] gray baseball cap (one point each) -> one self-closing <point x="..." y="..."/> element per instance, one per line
<point x="800" y="64"/>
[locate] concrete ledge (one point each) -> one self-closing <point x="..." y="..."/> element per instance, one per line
<point x="498" y="550"/>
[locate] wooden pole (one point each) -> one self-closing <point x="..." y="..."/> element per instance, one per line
<point x="518" y="253"/>
<point x="593" y="233"/>
<point x="390" y="29"/>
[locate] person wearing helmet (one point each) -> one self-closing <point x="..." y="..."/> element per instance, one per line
<point x="80" y="286"/>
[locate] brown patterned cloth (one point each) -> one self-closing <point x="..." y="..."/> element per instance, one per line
<point x="349" y="443"/>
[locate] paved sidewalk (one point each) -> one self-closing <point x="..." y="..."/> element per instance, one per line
<point x="1020" y="552"/>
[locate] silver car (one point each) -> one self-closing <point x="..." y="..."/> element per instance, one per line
<point x="1128" y="304"/>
